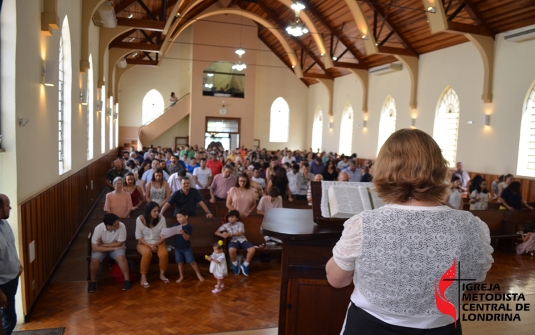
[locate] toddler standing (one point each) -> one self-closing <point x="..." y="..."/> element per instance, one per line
<point x="218" y="266"/>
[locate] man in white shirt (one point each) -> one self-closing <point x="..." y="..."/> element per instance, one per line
<point x="463" y="175"/>
<point x="256" y="177"/>
<point x="292" y="178"/>
<point x="202" y="176"/>
<point x="108" y="240"/>
<point x="10" y="270"/>
<point x="175" y="181"/>
<point x="288" y="158"/>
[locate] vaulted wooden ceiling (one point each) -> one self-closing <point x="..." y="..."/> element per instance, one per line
<point x="399" y="27"/>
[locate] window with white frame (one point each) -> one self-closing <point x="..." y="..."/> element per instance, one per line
<point x="103" y="120"/>
<point x="317" y="130"/>
<point x="116" y="121"/>
<point x="346" y="130"/>
<point x="153" y="106"/>
<point x="64" y="98"/>
<point x="387" y="122"/>
<point x="526" y="147"/>
<point x="90" y="110"/>
<point x="446" y="130"/>
<point x="279" y="123"/>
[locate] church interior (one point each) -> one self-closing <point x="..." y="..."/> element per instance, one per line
<point x="82" y="80"/>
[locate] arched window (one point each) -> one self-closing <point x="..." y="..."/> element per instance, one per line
<point x="64" y="98"/>
<point x="110" y="120"/>
<point x="279" y="122"/>
<point x="103" y="119"/>
<point x="346" y="130"/>
<point x="446" y="128"/>
<point x="153" y="106"/>
<point x="526" y="147"/>
<point x="317" y="130"/>
<point x="116" y="121"/>
<point x="387" y="123"/>
<point x="90" y="110"/>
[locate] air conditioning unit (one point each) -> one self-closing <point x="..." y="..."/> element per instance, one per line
<point x="384" y="69"/>
<point x="122" y="63"/>
<point x="105" y="16"/>
<point x="520" y="35"/>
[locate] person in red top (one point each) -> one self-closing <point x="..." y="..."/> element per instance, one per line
<point x="215" y="165"/>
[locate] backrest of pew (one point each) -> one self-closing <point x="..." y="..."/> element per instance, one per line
<point x="203" y="237"/>
<point x="252" y="226"/>
<point x="493" y="219"/>
<point x="519" y="217"/>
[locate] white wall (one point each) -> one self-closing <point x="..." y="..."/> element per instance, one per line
<point x="273" y="80"/>
<point x="173" y="75"/>
<point x="167" y="139"/>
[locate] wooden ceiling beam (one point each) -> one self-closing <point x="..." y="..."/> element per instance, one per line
<point x="470" y="8"/>
<point x="390" y="26"/>
<point x="463" y="28"/>
<point x="147" y="10"/>
<point x="350" y="65"/>
<point x="137" y="46"/>
<point x="273" y="50"/>
<point x="279" y="25"/>
<point x="122" y="6"/>
<point x="341" y="37"/>
<point x="141" y="24"/>
<point x="317" y="75"/>
<point x="394" y="51"/>
<point x="141" y="62"/>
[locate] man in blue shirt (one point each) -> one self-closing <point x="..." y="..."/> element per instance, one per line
<point x="192" y="165"/>
<point x="353" y="171"/>
<point x="186" y="198"/>
<point x="11" y="269"/>
<point x="317" y="166"/>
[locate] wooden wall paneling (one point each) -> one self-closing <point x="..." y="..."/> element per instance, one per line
<point x="52" y="219"/>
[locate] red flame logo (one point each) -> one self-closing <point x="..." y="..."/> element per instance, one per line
<point x="443" y="304"/>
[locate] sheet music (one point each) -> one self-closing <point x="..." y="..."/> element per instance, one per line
<point x="168" y="232"/>
<point x="325" y="185"/>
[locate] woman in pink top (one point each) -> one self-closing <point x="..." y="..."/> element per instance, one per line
<point x="118" y="202"/>
<point x="242" y="197"/>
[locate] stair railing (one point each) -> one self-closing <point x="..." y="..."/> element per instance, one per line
<point x="150" y="121"/>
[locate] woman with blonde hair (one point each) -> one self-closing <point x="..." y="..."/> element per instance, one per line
<point x="399" y="255"/>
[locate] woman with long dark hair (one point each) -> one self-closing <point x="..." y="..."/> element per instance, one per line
<point x="511" y="197"/>
<point x="280" y="180"/>
<point x="148" y="229"/>
<point x="242" y="197"/>
<point x="329" y="172"/>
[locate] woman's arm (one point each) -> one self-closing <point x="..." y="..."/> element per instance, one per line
<point x="129" y="206"/>
<point x="337" y="277"/>
<point x="504" y="203"/>
<point x="269" y="185"/>
<point x="167" y="194"/>
<point x="229" y="199"/>
<point x="147" y="192"/>
<point x="107" y="204"/>
<point x="289" y="193"/>
<point x="141" y="196"/>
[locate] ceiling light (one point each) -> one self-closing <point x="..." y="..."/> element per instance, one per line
<point x="130" y="16"/>
<point x="135" y="54"/>
<point x="431" y="9"/>
<point x="240" y="52"/>
<point x="335" y="58"/>
<point x="209" y="74"/>
<point x="208" y="85"/>
<point x="364" y="37"/>
<point x="177" y="15"/>
<point x="297" y="28"/>
<point x="297" y="6"/>
<point x="132" y="39"/>
<point x="239" y="66"/>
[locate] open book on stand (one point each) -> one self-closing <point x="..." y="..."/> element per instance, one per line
<point x="347" y="199"/>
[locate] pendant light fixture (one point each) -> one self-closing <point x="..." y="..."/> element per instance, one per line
<point x="239" y="65"/>
<point x="297" y="27"/>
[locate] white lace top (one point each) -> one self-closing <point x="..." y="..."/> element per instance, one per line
<point x="398" y="252"/>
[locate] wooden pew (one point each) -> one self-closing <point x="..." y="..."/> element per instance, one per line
<point x="202" y="239"/>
